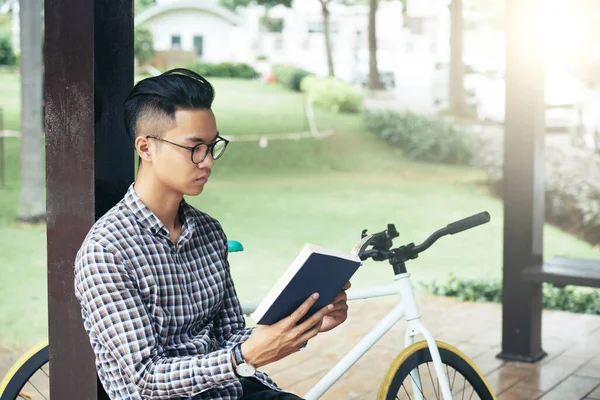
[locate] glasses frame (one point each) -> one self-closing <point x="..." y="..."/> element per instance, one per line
<point x="209" y="147"/>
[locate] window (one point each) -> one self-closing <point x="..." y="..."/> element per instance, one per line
<point x="175" y="42"/>
<point x="199" y="45"/>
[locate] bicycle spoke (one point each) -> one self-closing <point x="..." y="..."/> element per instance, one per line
<point x="472" y="393"/>
<point x="415" y="384"/>
<point x="453" y="379"/>
<point x="406" y="391"/>
<point x="464" y="384"/>
<point x="432" y="382"/>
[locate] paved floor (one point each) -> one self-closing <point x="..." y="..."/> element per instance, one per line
<point x="570" y="371"/>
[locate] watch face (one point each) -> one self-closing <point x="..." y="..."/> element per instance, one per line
<point x="245" y="370"/>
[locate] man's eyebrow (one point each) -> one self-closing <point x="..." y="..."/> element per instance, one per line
<point x="197" y="139"/>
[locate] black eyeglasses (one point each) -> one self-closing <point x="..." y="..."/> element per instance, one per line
<point x="200" y="151"/>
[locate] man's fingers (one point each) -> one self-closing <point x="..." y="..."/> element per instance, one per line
<point x="303" y="309"/>
<point x="312" y="332"/>
<point x="341" y="297"/>
<point x="347" y="286"/>
<point x="316" y="318"/>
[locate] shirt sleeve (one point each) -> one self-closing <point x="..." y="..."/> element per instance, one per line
<point x="230" y="325"/>
<point x="118" y="323"/>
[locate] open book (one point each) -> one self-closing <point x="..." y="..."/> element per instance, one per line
<point x="315" y="270"/>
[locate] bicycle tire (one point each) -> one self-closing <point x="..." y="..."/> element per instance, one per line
<point x="23" y="370"/>
<point x="418" y="355"/>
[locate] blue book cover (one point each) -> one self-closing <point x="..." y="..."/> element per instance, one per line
<point x="315" y="270"/>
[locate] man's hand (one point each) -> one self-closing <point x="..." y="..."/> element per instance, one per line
<point x="268" y="344"/>
<point x="337" y="311"/>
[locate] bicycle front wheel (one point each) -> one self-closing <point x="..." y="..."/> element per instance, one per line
<point x="29" y="377"/>
<point x="412" y="375"/>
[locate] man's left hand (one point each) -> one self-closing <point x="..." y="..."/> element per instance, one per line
<point x="338" y="311"/>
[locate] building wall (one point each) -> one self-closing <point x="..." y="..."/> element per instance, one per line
<point x="186" y="23"/>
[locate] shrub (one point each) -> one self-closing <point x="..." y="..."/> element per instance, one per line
<point x="143" y="46"/>
<point x="332" y="94"/>
<point x="224" y="70"/>
<point x="571" y="188"/>
<point x="421" y="137"/>
<point x="554" y="298"/>
<point x="289" y="76"/>
<point x="7" y="55"/>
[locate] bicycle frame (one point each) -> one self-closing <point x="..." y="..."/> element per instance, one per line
<point x="407" y="309"/>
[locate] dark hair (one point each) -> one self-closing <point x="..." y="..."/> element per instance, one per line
<point x="163" y="94"/>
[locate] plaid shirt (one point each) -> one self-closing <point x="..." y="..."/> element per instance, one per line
<point x="161" y="318"/>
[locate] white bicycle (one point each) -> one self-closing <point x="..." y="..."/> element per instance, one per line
<point x="410" y="376"/>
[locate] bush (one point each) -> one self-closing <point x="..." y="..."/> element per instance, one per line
<point x="332" y="94"/>
<point x="7" y="55"/>
<point x="143" y="46"/>
<point x="289" y="76"/>
<point x="554" y="298"/>
<point x="421" y="137"/>
<point x="571" y="188"/>
<point x="225" y="70"/>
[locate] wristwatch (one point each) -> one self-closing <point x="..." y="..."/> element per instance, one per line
<point x="243" y="368"/>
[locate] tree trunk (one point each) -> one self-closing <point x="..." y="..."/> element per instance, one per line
<point x="325" y="13"/>
<point x="456" y="81"/>
<point x="31" y="202"/>
<point x="374" y="82"/>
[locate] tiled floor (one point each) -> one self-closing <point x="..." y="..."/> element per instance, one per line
<point x="571" y="371"/>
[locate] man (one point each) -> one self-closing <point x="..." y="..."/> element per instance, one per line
<point x="152" y="275"/>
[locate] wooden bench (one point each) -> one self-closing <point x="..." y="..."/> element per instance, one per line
<point x="562" y="271"/>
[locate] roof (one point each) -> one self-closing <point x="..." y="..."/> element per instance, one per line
<point x="207" y="6"/>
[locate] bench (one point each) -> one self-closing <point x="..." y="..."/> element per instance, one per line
<point x="562" y="271"/>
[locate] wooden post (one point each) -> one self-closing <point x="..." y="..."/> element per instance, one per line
<point x="88" y="72"/>
<point x="523" y="181"/>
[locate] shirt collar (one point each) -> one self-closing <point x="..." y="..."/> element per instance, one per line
<point x="149" y="221"/>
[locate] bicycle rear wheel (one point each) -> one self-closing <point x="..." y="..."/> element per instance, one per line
<point x="29" y="377"/>
<point x="465" y="380"/>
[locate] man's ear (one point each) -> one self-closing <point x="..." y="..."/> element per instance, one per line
<point x="142" y="146"/>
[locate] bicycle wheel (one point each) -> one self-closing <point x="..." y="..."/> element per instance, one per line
<point x="465" y="380"/>
<point x="29" y="377"/>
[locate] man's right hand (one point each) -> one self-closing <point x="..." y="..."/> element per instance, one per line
<point x="270" y="343"/>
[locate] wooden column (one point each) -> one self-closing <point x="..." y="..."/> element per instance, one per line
<point x="89" y="163"/>
<point x="523" y="180"/>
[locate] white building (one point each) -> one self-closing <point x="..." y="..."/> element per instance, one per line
<point x="192" y="25"/>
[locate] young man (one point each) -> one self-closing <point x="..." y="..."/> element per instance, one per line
<point x="152" y="276"/>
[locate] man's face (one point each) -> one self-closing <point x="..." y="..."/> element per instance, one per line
<point x="172" y="165"/>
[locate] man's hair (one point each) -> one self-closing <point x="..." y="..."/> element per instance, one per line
<point x="156" y="99"/>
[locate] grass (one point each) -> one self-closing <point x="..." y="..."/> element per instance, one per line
<point x="277" y="198"/>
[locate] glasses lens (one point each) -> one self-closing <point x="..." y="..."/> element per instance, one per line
<point x="219" y="149"/>
<point x="199" y="153"/>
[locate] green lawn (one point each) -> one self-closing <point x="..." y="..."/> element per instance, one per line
<point x="278" y="198"/>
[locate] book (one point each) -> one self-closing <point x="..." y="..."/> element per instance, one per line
<point x="314" y="270"/>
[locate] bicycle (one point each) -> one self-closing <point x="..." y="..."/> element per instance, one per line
<point x="410" y="370"/>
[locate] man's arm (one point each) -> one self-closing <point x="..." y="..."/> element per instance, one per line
<point x="115" y="318"/>
<point x="229" y="324"/>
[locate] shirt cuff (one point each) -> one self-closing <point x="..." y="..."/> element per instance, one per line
<point x="217" y="367"/>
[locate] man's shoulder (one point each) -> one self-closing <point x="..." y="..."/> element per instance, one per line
<point x="111" y="228"/>
<point x="206" y="221"/>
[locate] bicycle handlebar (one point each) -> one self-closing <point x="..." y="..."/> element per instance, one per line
<point x="382" y="241"/>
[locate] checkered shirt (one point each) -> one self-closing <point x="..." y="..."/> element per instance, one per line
<point x="161" y="318"/>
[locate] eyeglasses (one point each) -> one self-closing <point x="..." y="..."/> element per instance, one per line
<point x="200" y="151"/>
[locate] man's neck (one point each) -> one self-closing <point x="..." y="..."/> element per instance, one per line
<point x="162" y="201"/>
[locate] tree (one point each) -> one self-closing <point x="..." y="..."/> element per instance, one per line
<point x="326" y="35"/>
<point x="457" y="68"/>
<point x="141" y="5"/>
<point x="374" y="82"/>
<point x="31" y="202"/>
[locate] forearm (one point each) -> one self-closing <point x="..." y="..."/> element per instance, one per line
<point x="184" y="376"/>
<point x="239" y="336"/>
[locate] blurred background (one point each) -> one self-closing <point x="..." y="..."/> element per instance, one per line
<point x="342" y="116"/>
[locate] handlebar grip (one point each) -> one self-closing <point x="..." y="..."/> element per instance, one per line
<point x="468" y="223"/>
